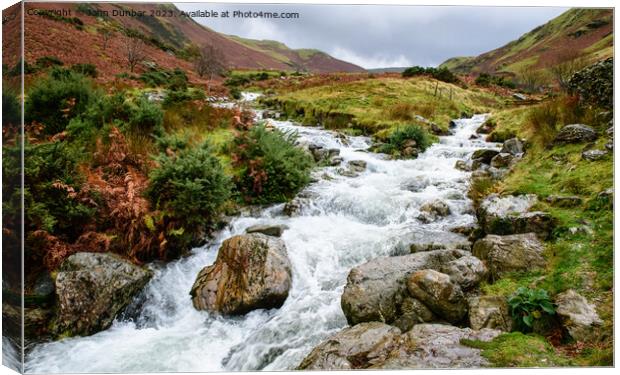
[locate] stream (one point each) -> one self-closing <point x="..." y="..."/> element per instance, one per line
<point x="347" y="221"/>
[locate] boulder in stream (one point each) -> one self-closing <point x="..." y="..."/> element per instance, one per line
<point x="270" y="230"/>
<point x="92" y="288"/>
<point x="252" y="271"/>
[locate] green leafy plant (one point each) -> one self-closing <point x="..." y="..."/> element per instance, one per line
<point x="269" y="166"/>
<point x="528" y="306"/>
<point x="397" y="141"/>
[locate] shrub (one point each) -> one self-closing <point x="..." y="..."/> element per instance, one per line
<point x="11" y="108"/>
<point x="16" y="70"/>
<point x="397" y="140"/>
<point x="441" y="74"/>
<point x="145" y="117"/>
<point x="485" y="79"/>
<point x="527" y="306"/>
<point x="48" y="61"/>
<point x="189" y="186"/>
<point x="54" y="101"/>
<point x="270" y="167"/>
<point x="414" y="71"/>
<point x="88" y="70"/>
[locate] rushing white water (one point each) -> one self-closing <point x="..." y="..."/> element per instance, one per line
<point x="347" y="222"/>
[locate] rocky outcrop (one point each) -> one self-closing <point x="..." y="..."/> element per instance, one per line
<point x="518" y="252"/>
<point x="578" y="316"/>
<point x="513" y="146"/>
<point x="484" y="156"/>
<point x="595" y="84"/>
<point x="92" y="288"/>
<point x="413" y="312"/>
<point x="594" y="155"/>
<point x="439" y="293"/>
<point x="269" y="230"/>
<point x="503" y="160"/>
<point x="322" y="154"/>
<point x="376" y="290"/>
<point x="379" y="346"/>
<point x="575" y="133"/>
<point x="437" y="346"/>
<point x="489" y="312"/>
<point x="357" y="347"/>
<point x="509" y="215"/>
<point x="252" y="271"/>
<point x="467" y="271"/>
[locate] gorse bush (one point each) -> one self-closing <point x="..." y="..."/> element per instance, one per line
<point x="399" y="139"/>
<point x="145" y="117"/>
<point x="88" y="70"/>
<point x="440" y="74"/>
<point x="485" y="79"/>
<point x="190" y="186"/>
<point x="527" y="306"/>
<point x="55" y="100"/>
<point x="269" y="166"/>
<point x="11" y="108"/>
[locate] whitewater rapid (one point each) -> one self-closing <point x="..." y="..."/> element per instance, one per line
<point x="347" y="221"/>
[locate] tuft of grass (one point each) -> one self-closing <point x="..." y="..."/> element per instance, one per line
<point x="519" y="350"/>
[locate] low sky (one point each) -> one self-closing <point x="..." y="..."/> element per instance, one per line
<point x="376" y="36"/>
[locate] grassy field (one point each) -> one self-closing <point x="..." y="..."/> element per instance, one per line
<point x="376" y="106"/>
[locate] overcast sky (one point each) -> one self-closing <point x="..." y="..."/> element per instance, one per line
<point x="375" y="36"/>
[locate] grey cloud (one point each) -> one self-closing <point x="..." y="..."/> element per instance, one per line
<point x="378" y="36"/>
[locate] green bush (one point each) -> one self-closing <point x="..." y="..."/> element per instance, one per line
<point x="397" y="140"/>
<point x="528" y="306"/>
<point x="88" y="70"/>
<point x="11" y="108"/>
<point x="16" y="70"/>
<point x="48" y="61"/>
<point x="270" y="168"/>
<point x="485" y="79"/>
<point x="441" y="74"/>
<point x="55" y="100"/>
<point x="51" y="176"/>
<point x="145" y="117"/>
<point x="191" y="187"/>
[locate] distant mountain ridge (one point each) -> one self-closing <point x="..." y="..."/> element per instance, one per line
<point x="79" y="39"/>
<point x="583" y="32"/>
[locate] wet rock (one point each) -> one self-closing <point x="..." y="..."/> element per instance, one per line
<point x="442" y="296"/>
<point x="519" y="97"/>
<point x="357" y="347"/>
<point x="502" y="160"/>
<point x="467" y="271"/>
<point x="427" y="240"/>
<point x="578" y="316"/>
<point x="346" y="172"/>
<point x="437" y="346"/>
<point x="321" y="154"/>
<point x="416" y="184"/>
<point x="508" y="215"/>
<point x="267" y="114"/>
<point x="474" y="136"/>
<point x="484" y="156"/>
<point x="92" y="288"/>
<point x="486" y="128"/>
<point x="594" y="155"/>
<point x="335" y="161"/>
<point x="357" y="165"/>
<point x="375" y="290"/>
<point x="513" y="253"/>
<point x="452" y="124"/>
<point x="293" y="207"/>
<point x="489" y="312"/>
<point x="252" y="271"/>
<point x="465" y="230"/>
<point x="436" y="130"/>
<point x="564" y="201"/>
<point x="575" y="133"/>
<point x="269" y="230"/>
<point x="461" y="165"/>
<point x="413" y="312"/>
<point x="410" y="152"/>
<point x="436" y="208"/>
<point x="513" y="146"/>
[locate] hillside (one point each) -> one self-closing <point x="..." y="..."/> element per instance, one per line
<point x="585" y="32"/>
<point x="170" y="40"/>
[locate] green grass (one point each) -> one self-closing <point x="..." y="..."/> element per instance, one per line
<point x="365" y="104"/>
<point x="582" y="261"/>
<point x="519" y="350"/>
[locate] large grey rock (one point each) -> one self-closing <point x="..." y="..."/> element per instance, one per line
<point x="467" y="271"/>
<point x="513" y="146"/>
<point x="426" y="240"/>
<point x="270" y="230"/>
<point x="357" y="347"/>
<point x="413" y="312"/>
<point x="433" y="210"/>
<point x="594" y="155"/>
<point x="502" y="160"/>
<point x="509" y="215"/>
<point x="252" y="271"/>
<point x="437" y="346"/>
<point x="517" y="252"/>
<point x="92" y="288"/>
<point x="439" y="293"/>
<point x="462" y="165"/>
<point x="489" y="312"/>
<point x="484" y="155"/>
<point x="357" y="165"/>
<point x="375" y="290"/>
<point x="578" y="316"/>
<point x="575" y="133"/>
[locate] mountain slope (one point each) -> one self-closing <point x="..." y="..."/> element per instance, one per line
<point x="78" y="38"/>
<point x="585" y="32"/>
